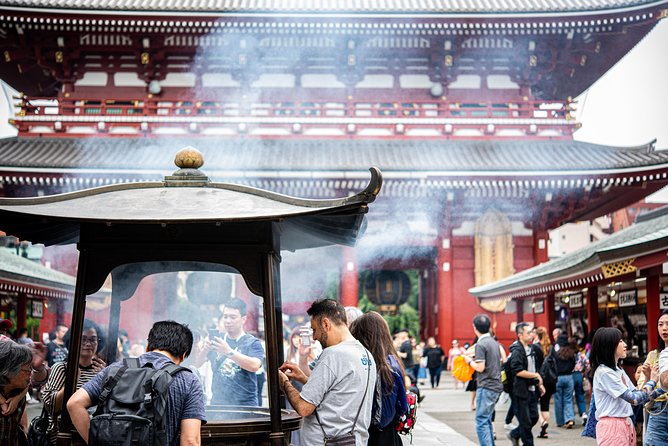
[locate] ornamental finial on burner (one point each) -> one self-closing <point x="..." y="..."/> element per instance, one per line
<point x="189" y="158"/>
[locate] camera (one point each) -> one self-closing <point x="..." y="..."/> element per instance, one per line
<point x="305" y="333"/>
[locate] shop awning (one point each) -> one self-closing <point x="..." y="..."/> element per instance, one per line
<point x="18" y="274"/>
<point x="639" y="246"/>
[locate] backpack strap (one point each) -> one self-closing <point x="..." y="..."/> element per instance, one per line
<point x="113" y="379"/>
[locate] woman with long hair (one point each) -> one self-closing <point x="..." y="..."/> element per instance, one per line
<point x="563" y="398"/>
<point x="90" y="363"/>
<point x="656" y="433"/>
<point x="543" y="339"/>
<point x="613" y="390"/>
<point x="373" y="332"/>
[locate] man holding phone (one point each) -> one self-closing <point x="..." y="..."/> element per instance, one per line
<point x="235" y="357"/>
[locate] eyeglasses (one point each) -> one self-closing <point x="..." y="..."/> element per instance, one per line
<point x="26" y="370"/>
<point x="87" y="340"/>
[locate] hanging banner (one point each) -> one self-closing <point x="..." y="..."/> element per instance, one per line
<point x="539" y="307"/>
<point x="627" y="298"/>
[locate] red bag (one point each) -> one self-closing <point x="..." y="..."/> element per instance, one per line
<point x="408" y="420"/>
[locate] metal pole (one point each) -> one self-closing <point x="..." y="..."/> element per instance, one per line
<point x="76" y="330"/>
<point x="274" y="343"/>
<point x="114" y="320"/>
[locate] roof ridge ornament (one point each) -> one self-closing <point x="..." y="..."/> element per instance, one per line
<point x="188" y="160"/>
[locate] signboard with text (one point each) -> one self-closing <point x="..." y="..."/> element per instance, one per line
<point x="37" y="309"/>
<point x="575" y="300"/>
<point x="627" y="298"/>
<point x="663" y="301"/>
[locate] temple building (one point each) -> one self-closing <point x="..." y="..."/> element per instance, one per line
<point x="468" y="111"/>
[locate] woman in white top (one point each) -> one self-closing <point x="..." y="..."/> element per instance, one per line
<point x="614" y="392"/>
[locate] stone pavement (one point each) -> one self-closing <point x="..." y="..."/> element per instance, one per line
<point x="445" y="418"/>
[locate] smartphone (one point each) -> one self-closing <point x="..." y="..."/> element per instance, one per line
<point x="213" y="333"/>
<point x="306" y="332"/>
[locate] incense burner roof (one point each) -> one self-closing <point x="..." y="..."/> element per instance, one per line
<point x="330" y="6"/>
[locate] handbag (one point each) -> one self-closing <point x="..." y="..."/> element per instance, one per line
<point x="590" y="427"/>
<point x="38" y="430"/>
<point x="347" y="439"/>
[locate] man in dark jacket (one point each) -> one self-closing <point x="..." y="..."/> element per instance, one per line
<point x="526" y="380"/>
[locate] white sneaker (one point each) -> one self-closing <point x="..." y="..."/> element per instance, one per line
<point x="584" y="419"/>
<point x="509" y="427"/>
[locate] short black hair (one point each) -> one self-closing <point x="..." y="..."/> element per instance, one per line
<point x="330" y="309"/>
<point x="237" y="304"/>
<point x="662" y="344"/>
<point x="519" y="328"/>
<point x="87" y="325"/>
<point x="172" y="337"/>
<point x="481" y="322"/>
<point x="603" y="347"/>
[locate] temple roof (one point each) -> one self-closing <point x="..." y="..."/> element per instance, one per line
<point x="228" y="157"/>
<point x="332" y="6"/>
<point x="18" y="272"/>
<point x="586" y="265"/>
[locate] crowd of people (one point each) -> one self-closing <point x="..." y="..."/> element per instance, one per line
<point x="537" y="369"/>
<point x="344" y="373"/>
<point x="348" y="376"/>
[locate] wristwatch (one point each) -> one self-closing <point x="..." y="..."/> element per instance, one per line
<point x="230" y="353"/>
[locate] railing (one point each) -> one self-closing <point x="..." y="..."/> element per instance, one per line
<point x="553" y="118"/>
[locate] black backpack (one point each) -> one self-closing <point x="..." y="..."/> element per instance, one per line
<point x="548" y="371"/>
<point x="507" y="377"/>
<point x="132" y="407"/>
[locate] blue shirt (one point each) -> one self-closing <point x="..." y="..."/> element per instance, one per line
<point x="185" y="396"/>
<point x="232" y="385"/>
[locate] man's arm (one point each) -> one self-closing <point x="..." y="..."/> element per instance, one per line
<point x="77" y="407"/>
<point x="190" y="432"/>
<point x="478" y="366"/>
<point x="303" y="408"/>
<point x="246" y="362"/>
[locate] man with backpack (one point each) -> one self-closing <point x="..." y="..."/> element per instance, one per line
<point x="154" y="388"/>
<point x="525" y="382"/>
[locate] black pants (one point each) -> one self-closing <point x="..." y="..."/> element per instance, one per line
<point x="526" y="411"/>
<point x="511" y="412"/>
<point x="386" y="437"/>
<point x="435" y="376"/>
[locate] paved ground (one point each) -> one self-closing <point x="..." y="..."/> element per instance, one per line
<point x="445" y="418"/>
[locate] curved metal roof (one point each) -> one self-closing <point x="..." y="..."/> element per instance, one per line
<point x="187" y="197"/>
<point x="331" y="6"/>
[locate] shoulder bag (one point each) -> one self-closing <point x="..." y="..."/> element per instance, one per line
<point x="347" y="439"/>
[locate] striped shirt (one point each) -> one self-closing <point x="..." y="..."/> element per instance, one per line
<point x="56" y="382"/>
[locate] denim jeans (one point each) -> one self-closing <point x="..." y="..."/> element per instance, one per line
<point x="657" y="426"/>
<point x="563" y="400"/>
<point x="579" y="393"/>
<point x="485" y="400"/>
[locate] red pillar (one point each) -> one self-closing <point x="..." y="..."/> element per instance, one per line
<point x="592" y="308"/>
<point x="653" y="312"/>
<point x="349" y="277"/>
<point x="21" y="314"/>
<point x="519" y="304"/>
<point x="445" y="300"/>
<point x="549" y="311"/>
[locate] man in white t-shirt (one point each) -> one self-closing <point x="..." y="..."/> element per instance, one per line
<point x="341" y="384"/>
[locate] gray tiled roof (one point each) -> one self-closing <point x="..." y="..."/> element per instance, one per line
<point x="645" y="237"/>
<point x="333" y="6"/>
<point x="14" y="267"/>
<point x="146" y="154"/>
